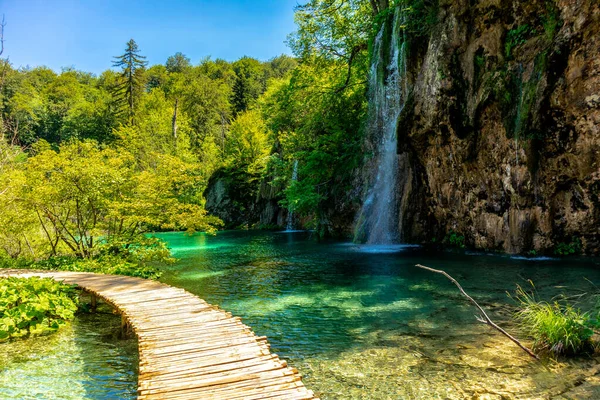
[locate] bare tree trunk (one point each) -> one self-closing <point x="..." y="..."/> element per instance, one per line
<point x="484" y="317"/>
<point x="29" y="246"/>
<point x="175" y="121"/>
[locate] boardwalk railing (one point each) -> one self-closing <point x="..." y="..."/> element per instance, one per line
<point x="188" y="348"/>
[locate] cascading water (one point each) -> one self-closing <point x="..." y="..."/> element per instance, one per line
<point x="380" y="220"/>
<point x="290" y="218"/>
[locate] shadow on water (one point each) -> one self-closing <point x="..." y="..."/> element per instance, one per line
<point x="85" y="360"/>
<point x="365" y="323"/>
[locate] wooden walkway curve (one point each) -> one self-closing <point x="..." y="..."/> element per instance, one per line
<point x="189" y="349"/>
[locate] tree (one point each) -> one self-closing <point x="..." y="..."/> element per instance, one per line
<point x="249" y="83"/>
<point x="280" y="66"/>
<point x="83" y="196"/>
<point x="248" y="144"/>
<point x="336" y="31"/>
<point x="177" y="63"/>
<point x="132" y="65"/>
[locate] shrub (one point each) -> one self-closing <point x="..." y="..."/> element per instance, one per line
<point x="454" y="239"/>
<point x="566" y="249"/>
<point x="558" y="328"/>
<point x="102" y="265"/>
<point x="34" y="306"/>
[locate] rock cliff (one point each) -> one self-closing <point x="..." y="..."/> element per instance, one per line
<point x="500" y="138"/>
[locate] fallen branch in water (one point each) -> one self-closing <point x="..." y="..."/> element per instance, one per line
<point x="484" y="317"/>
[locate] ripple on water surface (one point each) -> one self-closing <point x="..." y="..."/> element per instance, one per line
<point x="85" y="360"/>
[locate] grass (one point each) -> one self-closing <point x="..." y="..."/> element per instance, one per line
<point x="554" y="327"/>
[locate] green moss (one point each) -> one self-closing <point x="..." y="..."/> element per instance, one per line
<point x="517" y="37"/>
<point x="551" y="21"/>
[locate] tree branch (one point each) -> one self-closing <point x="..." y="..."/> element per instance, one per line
<point x="2" y="25"/>
<point x="355" y="50"/>
<point x="484" y="317"/>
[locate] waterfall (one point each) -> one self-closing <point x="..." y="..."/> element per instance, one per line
<point x="380" y="220"/>
<point x="290" y="218"/>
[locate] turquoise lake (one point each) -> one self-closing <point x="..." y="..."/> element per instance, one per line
<point x="361" y="322"/>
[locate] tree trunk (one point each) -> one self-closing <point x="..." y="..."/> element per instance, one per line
<point x="175" y="121"/>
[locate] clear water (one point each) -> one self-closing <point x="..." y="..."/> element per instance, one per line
<point x="361" y="322"/>
<point x="85" y="360"/>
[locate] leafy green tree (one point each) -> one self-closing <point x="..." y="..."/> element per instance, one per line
<point x="132" y="65"/>
<point x="249" y="143"/>
<point x="336" y="31"/>
<point x="280" y="66"/>
<point x="249" y="83"/>
<point x="322" y="129"/>
<point x="84" y="195"/>
<point x="177" y="63"/>
<point x="156" y="77"/>
<point x="206" y="103"/>
<point x="219" y="70"/>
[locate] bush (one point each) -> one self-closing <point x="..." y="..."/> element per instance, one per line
<point x="103" y="265"/>
<point x="132" y="257"/>
<point x="454" y="239"/>
<point x="34" y="306"/>
<point x="566" y="249"/>
<point x="554" y="327"/>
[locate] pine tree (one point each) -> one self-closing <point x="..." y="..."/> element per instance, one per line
<point x="132" y="64"/>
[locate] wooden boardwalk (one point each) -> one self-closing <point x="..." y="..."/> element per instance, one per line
<point x="188" y="348"/>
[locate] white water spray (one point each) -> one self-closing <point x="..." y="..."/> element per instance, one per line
<point x="379" y="219"/>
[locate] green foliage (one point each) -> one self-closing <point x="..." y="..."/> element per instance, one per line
<point x="249" y="83"/>
<point x="454" y="239"/>
<point x="106" y="264"/>
<point x="554" y="327"/>
<point x="551" y="20"/>
<point x="82" y="196"/>
<point x="322" y="129"/>
<point x="567" y="249"/>
<point x="517" y="37"/>
<point x="177" y="63"/>
<point x="131" y="82"/>
<point x="249" y="143"/>
<point x="34" y="306"/>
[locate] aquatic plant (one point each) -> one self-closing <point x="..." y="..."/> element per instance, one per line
<point x="554" y="327"/>
<point x="34" y="306"/>
<point x="566" y="249"/>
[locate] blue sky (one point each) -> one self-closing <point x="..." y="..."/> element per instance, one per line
<point x="86" y="34"/>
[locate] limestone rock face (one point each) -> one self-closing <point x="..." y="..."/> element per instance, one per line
<point x="235" y="199"/>
<point x="503" y="128"/>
